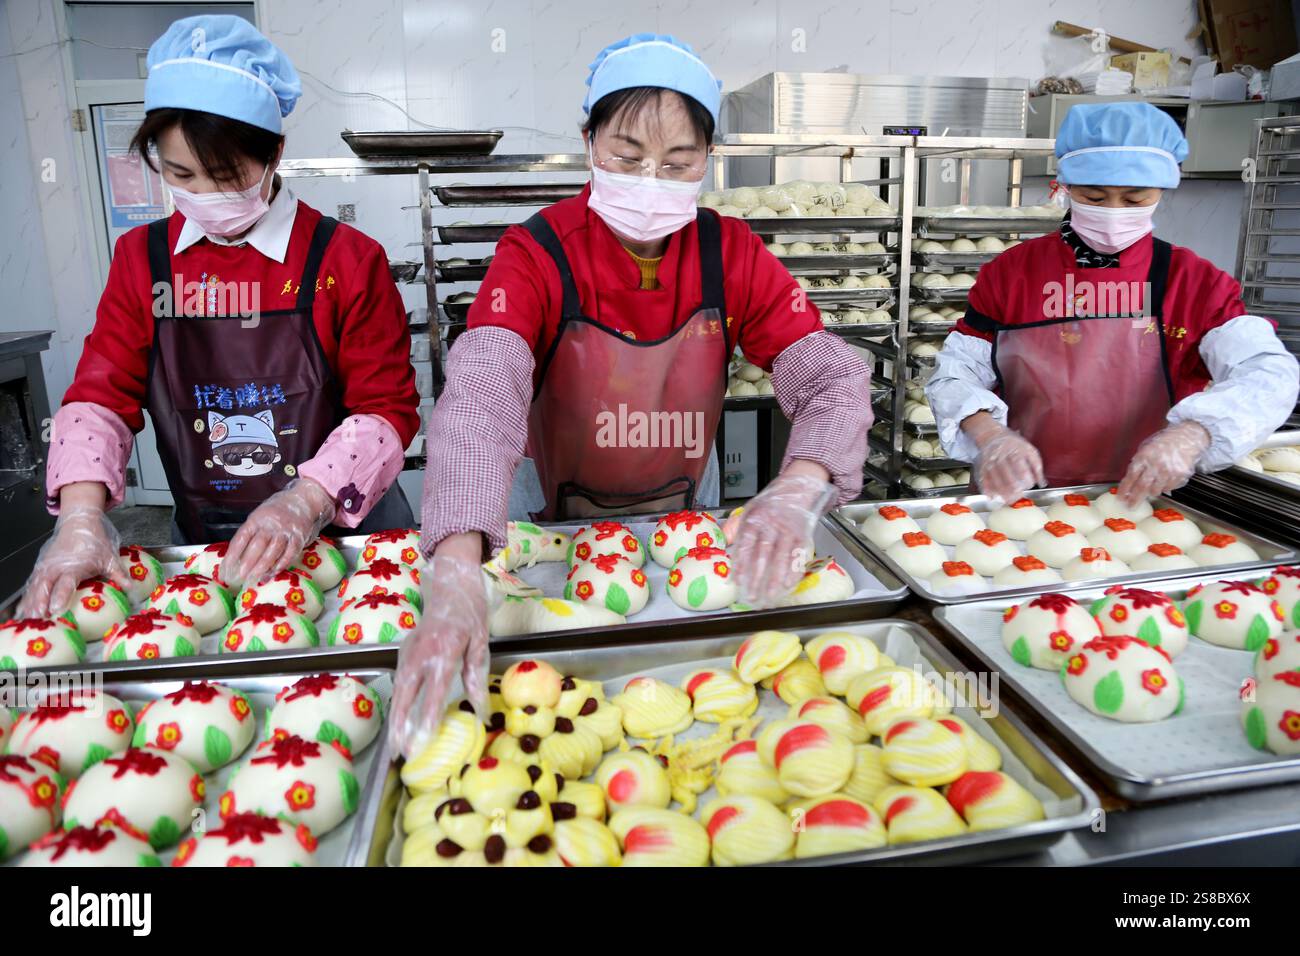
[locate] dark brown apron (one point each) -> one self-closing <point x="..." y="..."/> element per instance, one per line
<point x="237" y="403"/>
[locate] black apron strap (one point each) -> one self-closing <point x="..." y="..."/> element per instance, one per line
<point x="320" y="238"/>
<point x="541" y="231"/>
<point x="160" y="259"/>
<point x="1158" y="278"/>
<point x="712" y="292"/>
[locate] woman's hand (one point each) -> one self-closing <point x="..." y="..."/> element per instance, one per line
<point x="273" y="536"/>
<point x="451" y="639"/>
<point x="1007" y="465"/>
<point x="84" y="545"/>
<point x="771" y="540"/>
<point x="1164" y="461"/>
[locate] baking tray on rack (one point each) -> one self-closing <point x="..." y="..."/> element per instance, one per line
<point x="1202" y="749"/>
<point x="944" y="295"/>
<point x="484" y="232"/>
<point x="417" y="143"/>
<point x="837" y="262"/>
<point x="852" y="515"/>
<point x="956" y="260"/>
<point x="1070" y="804"/>
<point x="404" y="270"/>
<point x="924" y="327"/>
<point x="936" y="464"/>
<point x="926" y="494"/>
<point x="1264" y="480"/>
<point x="824" y="225"/>
<point x="529" y="194"/>
<point x="475" y="270"/>
<point x="347" y="844"/>
<point x="852" y="296"/>
<point x="980" y="225"/>
<point x="456" y="311"/>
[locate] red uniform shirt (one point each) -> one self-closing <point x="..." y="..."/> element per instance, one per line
<point x="358" y="314"/>
<point x="767" y="310"/>
<point x="1025" y="283"/>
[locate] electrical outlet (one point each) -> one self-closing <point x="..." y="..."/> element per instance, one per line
<point x="347" y="212"/>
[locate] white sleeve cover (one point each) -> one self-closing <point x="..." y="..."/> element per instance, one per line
<point x="1255" y="384"/>
<point x="962" y="384"/>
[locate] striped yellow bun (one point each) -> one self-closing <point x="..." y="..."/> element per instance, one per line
<point x="869" y="776"/>
<point x="923" y="753"/>
<point x="917" y="813"/>
<point x="717" y="694"/>
<point x="765" y="653"/>
<point x="652" y="708"/>
<point x="811" y="760"/>
<point x="990" y="800"/>
<point x="459" y="740"/>
<point x="633" y="779"/>
<point x="841" y="656"/>
<point x="887" y="694"/>
<point x="584" y="842"/>
<point x="797" y="681"/>
<point x="833" y="713"/>
<point x="653" y="837"/>
<point x="577" y="798"/>
<point x="837" y="824"/>
<point x="980" y="753"/>
<point x="607" y="721"/>
<point x="746" y="829"/>
<point x="740" y="770"/>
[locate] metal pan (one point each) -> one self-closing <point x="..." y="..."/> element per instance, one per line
<point x="1075" y="804"/>
<point x="926" y="327"/>
<point x="422" y="142"/>
<point x="474" y="272"/>
<point x="824" y="225"/>
<point x="450" y="235"/>
<point x="456" y="311"/>
<point x="939" y="295"/>
<point x="957" y="260"/>
<point x="403" y="270"/>
<point x="835" y="262"/>
<point x="851" y="516"/>
<point x="539" y="194"/>
<point x="992" y="226"/>
<point x="1200" y="750"/>
<point x="936" y="464"/>
<point x="1264" y="480"/>
<point x="852" y="296"/>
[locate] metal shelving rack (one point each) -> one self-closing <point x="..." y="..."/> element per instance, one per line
<point x="1268" y="251"/>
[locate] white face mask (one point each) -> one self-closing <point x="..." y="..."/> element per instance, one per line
<point x="1111" y="230"/>
<point x="222" y="214"/>
<point x="642" y="208"/>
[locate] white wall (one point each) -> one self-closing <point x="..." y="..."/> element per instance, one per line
<point x="520" y="65"/>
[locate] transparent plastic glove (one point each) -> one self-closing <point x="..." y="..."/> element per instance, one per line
<point x="1164" y="461"/>
<point x="1007" y="465"/>
<point x="451" y="639"/>
<point x="279" y="528"/>
<point x="84" y="545"/>
<point x="771" y="540"/>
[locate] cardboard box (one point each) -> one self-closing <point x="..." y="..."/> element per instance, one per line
<point x="1254" y="32"/>
<point x="1150" y="70"/>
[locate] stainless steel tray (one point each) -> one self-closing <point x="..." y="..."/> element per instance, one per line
<point x="939" y="295"/>
<point x="852" y="296"/>
<point x="836" y="262"/>
<point x="475" y="271"/>
<point x="403" y="270"/>
<point x="927" y="327"/>
<point x="538" y="194"/>
<point x="958" y="260"/>
<point x="1200" y="750"/>
<point x="1023" y="752"/>
<point x="348" y="843"/>
<point x="1264" y="480"/>
<point x="976" y="225"/>
<point x="928" y="494"/>
<point x="935" y="464"/>
<point x="487" y="232"/>
<point x="456" y="311"/>
<point x="824" y="225"/>
<point x="851" y="516"/>
<point x="422" y="142"/>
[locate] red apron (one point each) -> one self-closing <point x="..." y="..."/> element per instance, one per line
<point x="1087" y="389"/>
<point x="620" y="426"/>
<point x="238" y="404"/>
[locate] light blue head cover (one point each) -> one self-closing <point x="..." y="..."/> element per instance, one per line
<point x="222" y="65"/>
<point x="1119" y="144"/>
<point x="653" y="59"/>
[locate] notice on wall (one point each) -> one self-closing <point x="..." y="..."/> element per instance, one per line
<point x="132" y="192"/>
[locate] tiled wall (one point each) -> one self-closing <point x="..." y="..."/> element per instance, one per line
<point x="520" y="65"/>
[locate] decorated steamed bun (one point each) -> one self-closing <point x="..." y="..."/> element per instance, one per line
<point x="249" y="839"/>
<point x="401" y="545"/>
<point x="888" y="525"/>
<point x="745" y="830"/>
<point x="653" y="837"/>
<point x="1147" y="615"/>
<point x="1045" y="630"/>
<point x="207" y="562"/>
<point x="635" y="778"/>
<point x="913" y="814"/>
<point x="308" y="782"/>
<point x="837" y="824"/>
<point x="1076" y="511"/>
<point x="323" y="560"/>
<point x="39" y="642"/>
<point x="1272" y="718"/>
<point x="953" y="523"/>
<point x="152" y="790"/>
<point x="383" y="576"/>
<point x="1124" y="679"/>
<point x="798" y="680"/>
<point x="328" y="708"/>
<point x="1171" y="526"/>
<point x="291" y="588"/>
<point x="149" y="635"/>
<point x="269" y="627"/>
<point x="717" y="695"/>
<point x="606" y="537"/>
<point x="957" y="577"/>
<point x="494" y="786"/>
<point x="114" y="845"/>
<point x="373" y="619"/>
<point x="143" y="572"/>
<point x="701" y="580"/>
<point x="889" y="693"/>
<point x="980" y="754"/>
<point x="824" y="580"/>
<point x="72" y="731"/>
<point x="1163" y="557"/>
<point x="1109" y="505"/>
<point x="990" y="800"/>
<point x="652" y="708"/>
<point x="206" y="723"/>
<point x="917" y="554"/>
<point x="1216" y="549"/>
<point x="833" y="713"/>
<point x="583" y="842"/>
<point x="923" y="753"/>
<point x="97" y="607"/>
<point x="1018" y="520"/>
<point x="765" y="653"/>
<point x="573" y="748"/>
<point x="1121" y="538"/>
<point x="1093" y="563"/>
<point x="610" y="581"/>
<point x="1233" y="614"/>
<point x="531" y="683"/>
<point x="810" y="760"/>
<point x="1056" y="543"/>
<point x="1027" y="571"/>
<point x="741" y="770"/>
<point x="458" y="740"/>
<point x="199" y="598"/>
<point x="988" y="552"/>
<point x="841" y="656"/>
<point x="1283" y="586"/>
<point x="679" y="532"/>
<point x="29" y="802"/>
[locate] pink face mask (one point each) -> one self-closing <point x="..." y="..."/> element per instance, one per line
<point x="642" y="208"/>
<point x="1111" y="230"/>
<point x="222" y="214"/>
